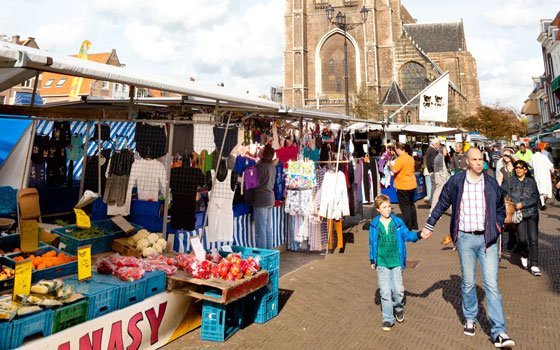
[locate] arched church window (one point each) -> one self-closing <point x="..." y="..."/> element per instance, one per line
<point x="413" y="79"/>
<point x="338" y="85"/>
<point x="331" y="66"/>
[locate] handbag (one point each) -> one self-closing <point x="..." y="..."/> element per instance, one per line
<point x="517" y="217"/>
<point x="510" y="210"/>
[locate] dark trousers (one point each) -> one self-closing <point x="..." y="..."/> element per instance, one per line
<point x="408" y="210"/>
<point x="528" y="236"/>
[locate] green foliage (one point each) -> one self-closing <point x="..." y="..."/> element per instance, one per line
<point x="495" y="122"/>
<point x="366" y="105"/>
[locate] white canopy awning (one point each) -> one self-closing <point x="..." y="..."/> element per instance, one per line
<point x="406" y="128"/>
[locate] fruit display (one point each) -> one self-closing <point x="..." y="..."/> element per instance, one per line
<point x="6" y="272"/>
<point x="233" y="267"/>
<point x="15" y="250"/>
<point x="46" y="260"/>
<point x="150" y="244"/>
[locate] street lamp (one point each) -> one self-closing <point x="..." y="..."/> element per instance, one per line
<point x="340" y="22"/>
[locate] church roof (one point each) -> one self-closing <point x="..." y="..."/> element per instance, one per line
<point x="438" y="37"/>
<point x="394" y="96"/>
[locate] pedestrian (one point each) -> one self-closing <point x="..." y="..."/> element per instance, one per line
<point x="459" y="160"/>
<point x="431" y="155"/>
<point x="524" y="154"/>
<point x="505" y="166"/>
<point x="405" y="183"/>
<point x="542" y="173"/>
<point x="263" y="198"/>
<point x="477" y="217"/>
<point x="548" y="153"/>
<point x="387" y="255"/>
<point x="523" y="191"/>
<point x="495" y="155"/>
<point x="440" y="175"/>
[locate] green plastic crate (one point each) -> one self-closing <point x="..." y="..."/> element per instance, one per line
<point x="70" y="315"/>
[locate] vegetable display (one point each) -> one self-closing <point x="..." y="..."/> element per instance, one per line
<point x="233" y="267"/>
<point x="86" y="233"/>
<point x="150" y="244"/>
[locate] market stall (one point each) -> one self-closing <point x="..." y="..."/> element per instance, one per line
<point x="177" y="166"/>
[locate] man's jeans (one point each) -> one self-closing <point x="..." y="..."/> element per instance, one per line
<point x="472" y="248"/>
<point x="392" y="291"/>
<point x="263" y="227"/>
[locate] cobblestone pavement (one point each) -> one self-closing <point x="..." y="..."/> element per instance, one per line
<point x="330" y="303"/>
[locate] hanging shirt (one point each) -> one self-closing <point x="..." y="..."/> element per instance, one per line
<point x="183" y="139"/>
<point x="203" y="138"/>
<point x="387" y="247"/>
<point x="311" y="153"/>
<point x="151" y="141"/>
<point x="334" y="196"/>
<point x="230" y="135"/>
<point x="75" y="151"/>
<point x="286" y="154"/>
<point x="184" y="184"/>
<point x="150" y="179"/>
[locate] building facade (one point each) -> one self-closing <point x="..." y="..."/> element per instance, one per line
<point x="549" y="38"/>
<point x="11" y="96"/>
<point x="388" y="48"/>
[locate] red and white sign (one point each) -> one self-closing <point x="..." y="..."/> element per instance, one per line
<point x="149" y="324"/>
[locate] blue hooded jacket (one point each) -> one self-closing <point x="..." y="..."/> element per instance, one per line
<point x="403" y="235"/>
<point x="451" y="195"/>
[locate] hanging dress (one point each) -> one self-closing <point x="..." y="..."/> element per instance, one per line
<point x="220" y="210"/>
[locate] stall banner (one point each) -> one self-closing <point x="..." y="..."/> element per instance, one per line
<point x="243" y="233"/>
<point x="150" y="324"/>
<point x="434" y="100"/>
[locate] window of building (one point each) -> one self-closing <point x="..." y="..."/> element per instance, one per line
<point x="105" y="85"/>
<point x="413" y="79"/>
<point x="60" y="82"/>
<point x="49" y="82"/>
<point x="2" y="99"/>
<point x="140" y="93"/>
<point x="331" y="66"/>
<point x="117" y="87"/>
<point x="27" y="83"/>
<point x="338" y="85"/>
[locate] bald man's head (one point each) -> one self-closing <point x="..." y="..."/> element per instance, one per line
<point x="475" y="160"/>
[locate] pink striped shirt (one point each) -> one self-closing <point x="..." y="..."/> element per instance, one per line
<point x="472" y="213"/>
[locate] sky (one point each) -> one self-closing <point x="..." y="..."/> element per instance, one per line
<point x="240" y="43"/>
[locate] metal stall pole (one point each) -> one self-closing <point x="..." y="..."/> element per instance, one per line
<point x="214" y="179"/>
<point x="84" y="159"/>
<point x="171" y="237"/>
<point x="336" y="180"/>
<point x="27" y="166"/>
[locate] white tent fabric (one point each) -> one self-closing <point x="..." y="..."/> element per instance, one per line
<point x="405" y="128"/>
<point x="13" y="169"/>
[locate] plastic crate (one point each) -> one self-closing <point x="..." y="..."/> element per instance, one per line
<point x="111" y="229"/>
<point x="156" y="281"/>
<point x="219" y="321"/>
<point x="69" y="315"/>
<point x="69" y="268"/>
<point x="260" y="306"/>
<point x="268" y="258"/>
<point x="128" y="292"/>
<point x="273" y="276"/>
<point x="101" y="297"/>
<point x="5" y="334"/>
<point x="70" y="244"/>
<point x="39" y="323"/>
<point x="10" y="242"/>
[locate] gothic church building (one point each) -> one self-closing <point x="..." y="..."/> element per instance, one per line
<point x="390" y="58"/>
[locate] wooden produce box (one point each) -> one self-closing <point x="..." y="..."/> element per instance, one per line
<point x="119" y="245"/>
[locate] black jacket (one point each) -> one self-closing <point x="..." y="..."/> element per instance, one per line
<point x="431" y="154"/>
<point x="524" y="192"/>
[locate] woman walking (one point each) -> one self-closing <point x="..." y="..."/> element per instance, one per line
<point x="524" y="193"/>
<point x="263" y="198"/>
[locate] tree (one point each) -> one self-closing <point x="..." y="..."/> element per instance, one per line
<point x="366" y="105"/>
<point x="495" y="122"/>
<point x="454" y="117"/>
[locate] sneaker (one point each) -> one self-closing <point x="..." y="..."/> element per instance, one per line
<point x="387" y="326"/>
<point x="536" y="271"/>
<point x="524" y="262"/>
<point x="503" y="341"/>
<point x="399" y="316"/>
<point x="470" y="328"/>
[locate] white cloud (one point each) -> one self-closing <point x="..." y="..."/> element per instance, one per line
<point x="516" y="13"/>
<point x="150" y="43"/>
<point x="62" y="36"/>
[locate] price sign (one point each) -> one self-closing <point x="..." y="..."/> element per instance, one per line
<point x="82" y="220"/>
<point x="84" y="262"/>
<point x="22" y="278"/>
<point x="198" y="249"/>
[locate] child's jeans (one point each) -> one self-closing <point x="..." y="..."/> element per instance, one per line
<point x="392" y="291"/>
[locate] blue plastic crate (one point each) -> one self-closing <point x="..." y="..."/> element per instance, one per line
<point x="102" y="298"/>
<point x="268" y="308"/>
<point x="5" y="334"/>
<point x="111" y="229"/>
<point x="39" y="323"/>
<point x="99" y="210"/>
<point x="9" y="242"/>
<point x="156" y="281"/>
<point x="260" y="306"/>
<point x="273" y="276"/>
<point x="128" y="292"/>
<point x="219" y="321"/>
<point x="69" y="268"/>
<point x="269" y="258"/>
<point x="70" y="244"/>
<point x="69" y="315"/>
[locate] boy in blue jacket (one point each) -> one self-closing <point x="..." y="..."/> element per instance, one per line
<point x="387" y="253"/>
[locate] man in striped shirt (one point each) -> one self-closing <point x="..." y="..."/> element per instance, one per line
<point x="477" y="218"/>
